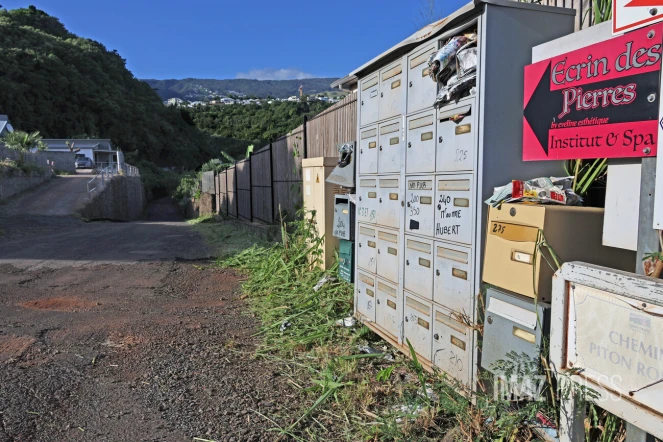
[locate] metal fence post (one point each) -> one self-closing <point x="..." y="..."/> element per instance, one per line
<point x="236" y="194"/>
<point x="227" y="196"/>
<point x="271" y="181"/>
<point x="251" y="185"/>
<point x="304" y="136"/>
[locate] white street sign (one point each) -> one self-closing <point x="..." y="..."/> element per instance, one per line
<point x="632" y="14"/>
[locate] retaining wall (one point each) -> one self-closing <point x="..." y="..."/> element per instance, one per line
<point x="13" y="181"/>
<point x="122" y="199"/>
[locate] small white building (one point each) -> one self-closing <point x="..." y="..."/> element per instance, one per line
<point x="100" y="151"/>
<point x="174" y="102"/>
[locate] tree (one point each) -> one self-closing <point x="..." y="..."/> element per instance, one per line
<point x="24" y="142"/>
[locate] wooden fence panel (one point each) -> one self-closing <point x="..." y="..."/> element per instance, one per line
<point x="232" y="192"/>
<point x="222" y="192"/>
<point x="334" y="126"/>
<point x="287" y="154"/>
<point x="261" y="185"/>
<point x="243" y="170"/>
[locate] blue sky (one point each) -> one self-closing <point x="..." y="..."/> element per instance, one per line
<point x="241" y="38"/>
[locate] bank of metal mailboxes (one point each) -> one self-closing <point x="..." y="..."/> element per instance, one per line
<point x="513" y="262"/>
<point x="425" y="166"/>
<point x="513" y="324"/>
<point x="346" y="258"/>
<point x="344" y="218"/>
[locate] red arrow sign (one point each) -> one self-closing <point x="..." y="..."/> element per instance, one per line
<point x="644" y="3"/>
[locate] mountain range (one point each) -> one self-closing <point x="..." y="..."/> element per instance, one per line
<point x="196" y="89"/>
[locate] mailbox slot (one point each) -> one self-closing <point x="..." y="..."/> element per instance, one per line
<point x="388" y="308"/>
<point x="369" y="97"/>
<point x="452" y="346"/>
<point x="421" y="89"/>
<point x="418" y="325"/>
<point x="366" y="295"/>
<point x="420" y="143"/>
<point x="367" y="251"/>
<point x="390" y="147"/>
<point x="389" y="211"/>
<point x="456" y="132"/>
<point x="418" y="277"/>
<point x="454" y="208"/>
<point x="392" y="91"/>
<point x="368" y="150"/>
<point x="388" y="244"/>
<point x="419" y="205"/>
<point x="367" y="200"/>
<point x="454" y="278"/>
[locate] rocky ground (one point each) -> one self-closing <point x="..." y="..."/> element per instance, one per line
<point x="110" y="345"/>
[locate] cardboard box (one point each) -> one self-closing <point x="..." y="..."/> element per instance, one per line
<point x="513" y="262"/>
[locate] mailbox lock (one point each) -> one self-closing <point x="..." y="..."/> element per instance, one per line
<point x="380" y="199"/>
<point x="439" y="207"/>
<point x="380" y="147"/>
<point x="378" y="251"/>
<point x="402" y="203"/>
<point x="362" y="102"/>
<point x="490" y="319"/>
<point x="437" y="272"/>
<point x="407" y="262"/>
<point x="359" y="244"/>
<point x="406" y="319"/>
<point x="361" y="150"/>
<point x="408" y="204"/>
<point x="378" y="301"/>
<point x="358" y="290"/>
<point x="381" y="94"/>
<point x="409" y="145"/>
<point x="512" y="212"/>
<point x="436" y="336"/>
<point x="440" y="139"/>
<point x="359" y="198"/>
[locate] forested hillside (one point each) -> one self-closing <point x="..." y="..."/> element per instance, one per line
<point x="257" y="123"/>
<point x="197" y="89"/>
<point x="65" y="86"/>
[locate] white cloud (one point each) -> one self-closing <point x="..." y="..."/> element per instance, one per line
<point x="274" y="74"/>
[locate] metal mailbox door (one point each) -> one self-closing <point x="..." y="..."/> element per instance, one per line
<point x="453" y="208"/>
<point x="453" y="278"/>
<point x="390" y="146"/>
<point x="456" y="133"/>
<point x="342" y="219"/>
<point x="419" y="208"/>
<point x="392" y="90"/>
<point x="420" y="143"/>
<point x="418" y="277"/>
<point x="367" y="248"/>
<point x="368" y="150"/>
<point x="422" y="89"/>
<point x="387" y="309"/>
<point x="366" y="295"/>
<point x="452" y="346"/>
<point x="388" y="255"/>
<point x="367" y="200"/>
<point x="417" y="326"/>
<point x="390" y="211"/>
<point x="369" y="100"/>
<point x="512" y="324"/>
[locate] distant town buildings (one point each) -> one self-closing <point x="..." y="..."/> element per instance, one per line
<point x="240" y="99"/>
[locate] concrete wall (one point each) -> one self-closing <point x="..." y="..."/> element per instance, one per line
<point x="14" y="181"/>
<point x="64" y="161"/>
<point x="123" y="198"/>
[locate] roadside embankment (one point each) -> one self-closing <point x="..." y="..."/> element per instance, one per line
<point x="14" y="181"/>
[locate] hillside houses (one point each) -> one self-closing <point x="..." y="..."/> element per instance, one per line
<point x="178" y="102"/>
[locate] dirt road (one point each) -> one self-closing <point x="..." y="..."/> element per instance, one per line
<point x="109" y="333"/>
